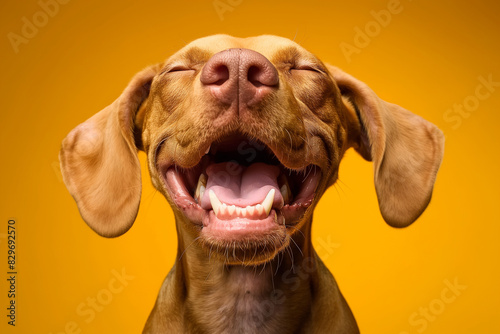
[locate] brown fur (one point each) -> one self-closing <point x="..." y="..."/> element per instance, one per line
<point x="316" y="114"/>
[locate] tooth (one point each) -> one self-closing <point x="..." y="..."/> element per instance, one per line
<point x="200" y="187"/>
<point x="231" y="209"/>
<point x="260" y="209"/>
<point x="285" y="192"/>
<point x="238" y="211"/>
<point x="199" y="194"/>
<point x="222" y="209"/>
<point x="267" y="203"/>
<point x="202" y="191"/>
<point x="208" y="149"/>
<point x="285" y="189"/>
<point x="243" y="212"/>
<point x="251" y="210"/>
<point x="214" y="201"/>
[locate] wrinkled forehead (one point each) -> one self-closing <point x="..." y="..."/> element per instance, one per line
<point x="273" y="48"/>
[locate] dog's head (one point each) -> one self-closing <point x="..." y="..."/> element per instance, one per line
<point x="243" y="136"/>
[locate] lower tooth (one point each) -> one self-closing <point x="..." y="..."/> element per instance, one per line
<point x="222" y="209"/>
<point x="260" y="209"/>
<point x="250" y="210"/>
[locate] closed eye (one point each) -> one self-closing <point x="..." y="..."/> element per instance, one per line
<point x="178" y="69"/>
<point x="306" y="68"/>
<point x="173" y="68"/>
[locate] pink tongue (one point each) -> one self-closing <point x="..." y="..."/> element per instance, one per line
<point x="240" y="185"/>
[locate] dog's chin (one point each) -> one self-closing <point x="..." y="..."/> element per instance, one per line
<point x="243" y="241"/>
<point x="241" y="201"/>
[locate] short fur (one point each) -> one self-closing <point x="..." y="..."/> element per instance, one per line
<point x="313" y="117"/>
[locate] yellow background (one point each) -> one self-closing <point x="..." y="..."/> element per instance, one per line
<point x="428" y="58"/>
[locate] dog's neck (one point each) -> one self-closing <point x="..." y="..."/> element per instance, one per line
<point x="246" y="299"/>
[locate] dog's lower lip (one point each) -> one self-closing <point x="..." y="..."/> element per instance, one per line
<point x="181" y="196"/>
<point x="241" y="228"/>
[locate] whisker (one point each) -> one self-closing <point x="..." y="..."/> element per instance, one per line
<point x="344" y="184"/>
<point x="300" y="250"/>
<point x="296" y="229"/>
<point x="180" y="257"/>
<point x="279" y="263"/>
<point x="210" y="272"/>
<point x="290" y="254"/>
<point x="234" y="250"/>
<point x="210" y="253"/>
<point x="254" y="254"/>
<point x="309" y="172"/>
<point x="263" y="267"/>
<point x="272" y="276"/>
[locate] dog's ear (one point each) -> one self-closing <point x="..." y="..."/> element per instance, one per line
<point x="406" y="150"/>
<point x="99" y="161"/>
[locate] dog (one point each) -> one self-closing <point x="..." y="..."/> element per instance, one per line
<point x="243" y="136"/>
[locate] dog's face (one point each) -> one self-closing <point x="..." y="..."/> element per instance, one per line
<point x="242" y="137"/>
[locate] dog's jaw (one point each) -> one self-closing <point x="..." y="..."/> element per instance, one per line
<point x="244" y="212"/>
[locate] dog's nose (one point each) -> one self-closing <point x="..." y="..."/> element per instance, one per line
<point x="241" y="74"/>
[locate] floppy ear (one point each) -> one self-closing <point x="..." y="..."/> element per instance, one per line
<point x="99" y="161"/>
<point x="406" y="151"/>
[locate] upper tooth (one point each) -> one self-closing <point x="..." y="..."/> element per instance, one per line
<point x="267" y="203"/>
<point x="285" y="192"/>
<point x="208" y="149"/>
<point x="202" y="192"/>
<point x="214" y="201"/>
<point x="200" y="187"/>
<point x="285" y="189"/>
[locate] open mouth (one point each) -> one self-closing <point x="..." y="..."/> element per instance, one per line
<point x="239" y="190"/>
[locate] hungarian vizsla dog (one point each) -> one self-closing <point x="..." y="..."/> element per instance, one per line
<point x="243" y="136"/>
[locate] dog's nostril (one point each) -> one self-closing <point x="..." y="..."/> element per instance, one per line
<point x="215" y="75"/>
<point x="254" y="74"/>
<point x="262" y="73"/>
<point x="221" y="75"/>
